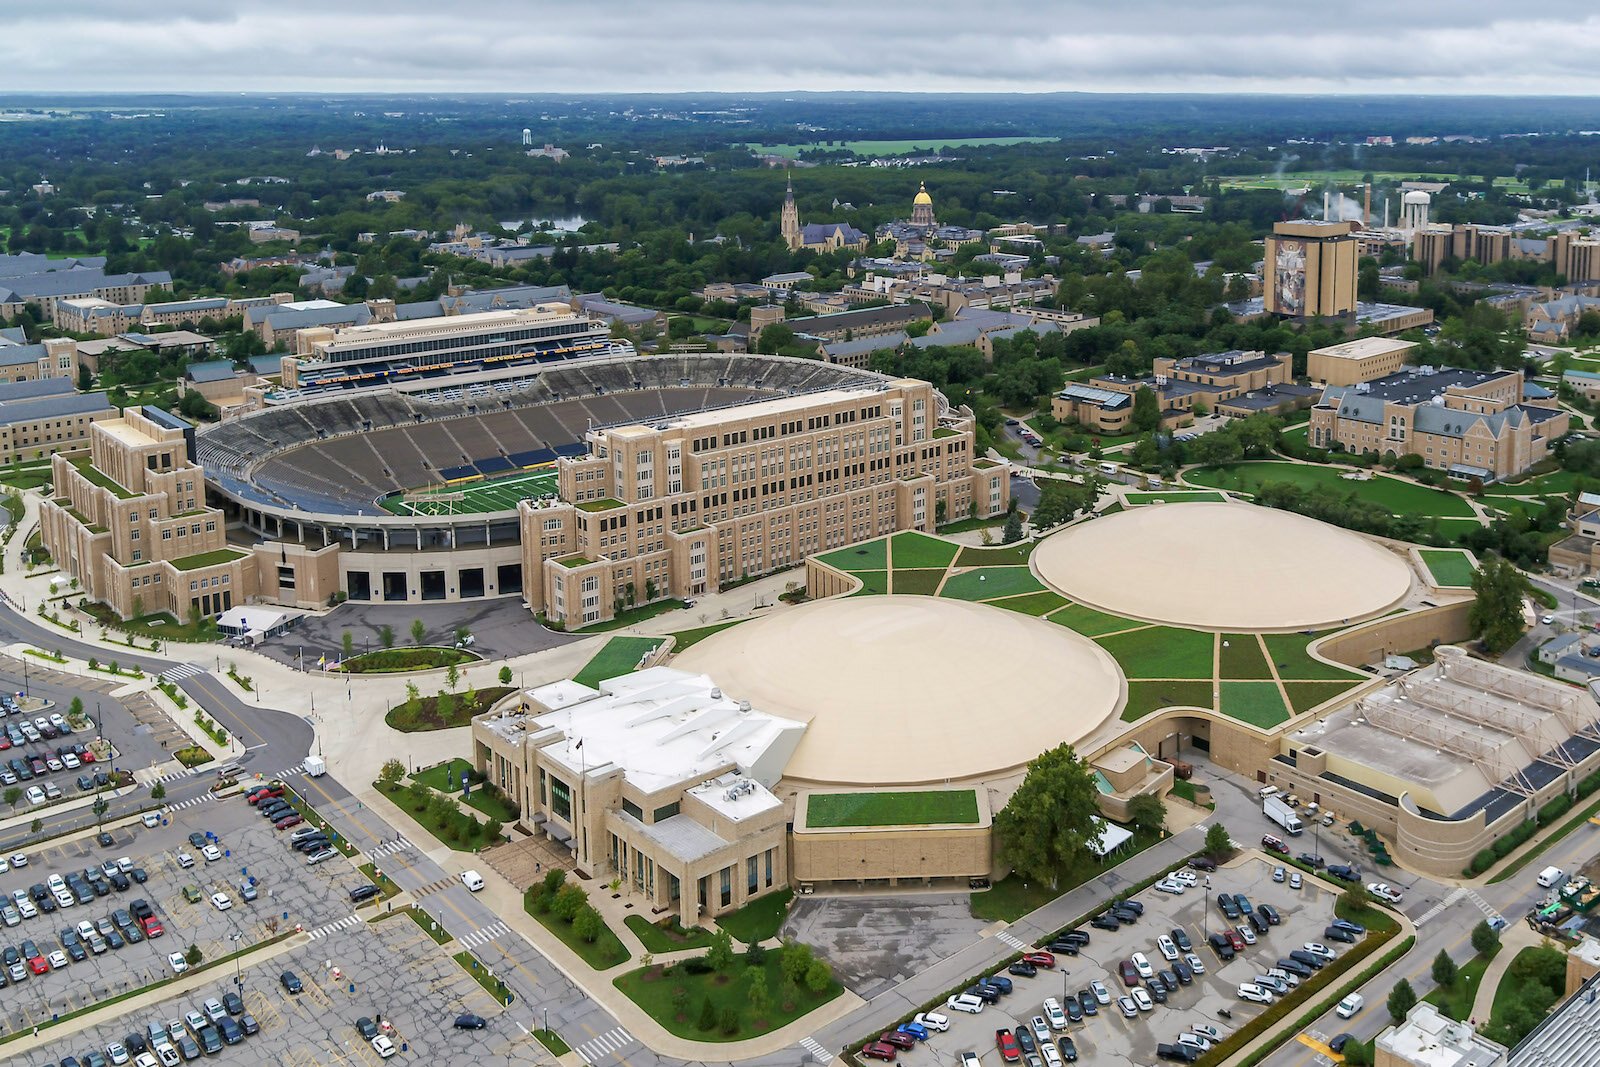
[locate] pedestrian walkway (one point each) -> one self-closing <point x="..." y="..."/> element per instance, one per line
<point x="181" y="671"/>
<point x="433" y="887"/>
<point x="334" y="927"/>
<point x="177" y="776"/>
<point x="607" y="1044"/>
<point x="818" y="1053"/>
<point x="1513" y="940"/>
<point x="388" y="848"/>
<point x="484" y="935"/>
<point x="1439" y="908"/>
<point x="191" y="802"/>
<point x="1009" y="939"/>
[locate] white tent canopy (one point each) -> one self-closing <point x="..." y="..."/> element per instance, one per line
<point x="241" y="621"/>
<point x="1111" y="838"/>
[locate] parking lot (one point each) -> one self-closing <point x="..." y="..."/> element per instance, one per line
<point x="389" y="971"/>
<point x="1109" y="1037"/>
<point x="287" y="892"/>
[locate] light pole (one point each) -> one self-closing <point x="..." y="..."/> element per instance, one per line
<point x="1205" y="916"/>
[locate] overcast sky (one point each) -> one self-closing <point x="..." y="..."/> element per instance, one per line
<point x="587" y="46"/>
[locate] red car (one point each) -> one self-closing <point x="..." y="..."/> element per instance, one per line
<point x="1130" y="974"/>
<point x="152" y="927"/>
<point x="898" y="1040"/>
<point x="38" y="965"/>
<point x="1273" y="844"/>
<point x="288" y="821"/>
<point x="261" y="793"/>
<point x="877" y="1050"/>
<point x="1006" y="1042"/>
<point x="1040" y="959"/>
<point x="1234" y="940"/>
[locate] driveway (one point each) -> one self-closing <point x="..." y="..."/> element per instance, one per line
<point x="874" y="941"/>
<point x="500" y="629"/>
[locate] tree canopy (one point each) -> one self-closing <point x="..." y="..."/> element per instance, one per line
<point x="1051" y="818"/>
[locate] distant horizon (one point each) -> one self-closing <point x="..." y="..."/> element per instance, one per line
<point x="507" y="94"/>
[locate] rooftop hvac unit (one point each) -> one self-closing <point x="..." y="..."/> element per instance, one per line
<point x="716" y="694"/>
<point x="744" y="707"/>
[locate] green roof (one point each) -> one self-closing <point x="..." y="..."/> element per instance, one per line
<point x="87" y="469"/>
<point x="575" y="561"/>
<point x="932" y="807"/>
<point x="599" y="505"/>
<point x="207" y="559"/>
<point x="943" y="431"/>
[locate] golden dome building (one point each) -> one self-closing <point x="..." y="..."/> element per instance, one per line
<point x="922" y="207"/>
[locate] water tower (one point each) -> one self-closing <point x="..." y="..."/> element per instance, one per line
<point x="1414" y="210"/>
<point x="527" y="137"/>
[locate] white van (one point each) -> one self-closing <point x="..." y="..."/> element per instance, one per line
<point x="1350" y="1005"/>
<point x="1551" y="877"/>
<point x="1108" y="468"/>
<point x="472" y="880"/>
<point x="1267" y="791"/>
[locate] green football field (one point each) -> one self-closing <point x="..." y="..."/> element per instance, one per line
<point x="471" y="498"/>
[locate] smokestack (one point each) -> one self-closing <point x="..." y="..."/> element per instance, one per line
<point x="1386" y="212"/>
<point x="1366" y="209"/>
<point x="1327" y="202"/>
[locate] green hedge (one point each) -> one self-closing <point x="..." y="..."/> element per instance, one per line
<point x="1548" y="814"/>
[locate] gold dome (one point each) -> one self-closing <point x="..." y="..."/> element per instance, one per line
<point x="922" y="195"/>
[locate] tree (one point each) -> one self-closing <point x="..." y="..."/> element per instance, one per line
<point x="13" y="796"/>
<point x="75" y="709"/>
<point x="793" y="960"/>
<point x="1051" y="818"/>
<point x="788" y="992"/>
<point x="1216" y="449"/>
<point x="755" y="955"/>
<point x="587" y="924"/>
<point x="452" y="676"/>
<point x="1147" y="813"/>
<point x="445" y="705"/>
<point x="1401" y="1000"/>
<point x="1484" y="938"/>
<point x="505" y="675"/>
<point x="390" y="773"/>
<point x="554" y="879"/>
<point x="759" y="993"/>
<point x="774" y="339"/>
<point x="680" y="1001"/>
<point x="192" y="955"/>
<point x="819" y="976"/>
<point x="1355" y="898"/>
<point x="1146" y="409"/>
<point x="708" y="1015"/>
<point x="1013" y="529"/>
<point x="729" y="1020"/>
<point x="1444" y="969"/>
<point x="386" y="635"/>
<point x="720" y="954"/>
<point x="493" y="829"/>
<point x="1496" y="614"/>
<point x="413" y="694"/>
<point x="1218" y="843"/>
<point x="347" y="642"/>
<point x="418" y="631"/>
<point x="158" y="791"/>
<point x="101" y="806"/>
<point x="568" y="900"/>
<point x="417" y="795"/>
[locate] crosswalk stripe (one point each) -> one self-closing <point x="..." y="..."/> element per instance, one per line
<point x="605" y="1044"/>
<point x="335" y="926"/>
<point x="178" y="672"/>
<point x="484" y="935"/>
<point x="814" y="1047"/>
<point x="1008" y="939"/>
<point x="389" y="848"/>
<point x="191" y="802"/>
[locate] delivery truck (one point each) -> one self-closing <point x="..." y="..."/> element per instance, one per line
<point x="1276" y="809"/>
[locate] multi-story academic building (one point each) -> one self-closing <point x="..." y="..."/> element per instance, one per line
<point x="681" y="507"/>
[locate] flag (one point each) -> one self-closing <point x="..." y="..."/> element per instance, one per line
<point x="322" y="662"/>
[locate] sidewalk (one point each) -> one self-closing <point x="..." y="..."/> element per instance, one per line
<point x="1513" y="940"/>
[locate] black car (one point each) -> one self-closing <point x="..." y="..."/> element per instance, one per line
<point x="311" y="844"/>
<point x="1309" y="959"/>
<point x="85" y="782"/>
<point x="1025" y="1041"/>
<point x="120" y="882"/>
<point x="1340" y="934"/>
<point x="1125" y="915"/>
<point x="1269" y="913"/>
<point x="1069" y="1051"/>
<point x="1294" y="967"/>
<point x="1220" y="946"/>
<point x="1346" y="924"/>
<point x="138" y="875"/>
<point x="104" y="840"/>
<point x="366" y="1028"/>
<point x="232" y="1003"/>
<point x="232" y="1033"/>
<point x="1226" y="903"/>
<point x="248" y="1024"/>
<point x="1310" y="860"/>
<point x="468" y="1021"/>
<point x="1340" y="870"/>
<point x="1087" y="1003"/>
<point x="1339" y="1042"/>
<point x="1066" y="948"/>
<point x="1132" y="905"/>
<point x="1257" y="923"/>
<point x="135" y="1043"/>
<point x="986" y="993"/>
<point x="1157" y="991"/>
<point x="1073" y="1009"/>
<point x="1180" y="1053"/>
<point x="291" y="982"/>
<point x="1077" y="937"/>
<point x="1105" y="921"/>
<point x="210" y="1040"/>
<point x="1202" y="863"/>
<point x="363" y="893"/>
<point x="1184" y="972"/>
<point x="1169" y="978"/>
<point x="198" y="839"/>
<point x="1181" y="939"/>
<point x="1002" y="984"/>
<point x="1023" y="969"/>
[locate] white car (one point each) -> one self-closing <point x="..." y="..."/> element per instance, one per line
<point x="1384" y="891"/>
<point x="221" y="901"/>
<point x="1141" y="998"/>
<point x="176" y="961"/>
<point x="64" y="899"/>
<point x="1041" y="1029"/>
<point x="969" y="1059"/>
<point x="1185" y="877"/>
<point x="383" y="1047"/>
<point x="86" y="929"/>
<point x="125" y="864"/>
<point x="1295" y="881"/>
<point x="169" y="1055"/>
<point x="19" y="859"/>
<point x="185" y="860"/>
<point x="932" y="1020"/>
<point x="1053" y="1013"/>
<point x="1248" y="934"/>
<point x="1254" y="993"/>
<point x="1207" y="1031"/>
<point x="70" y="761"/>
<point x="35" y="798"/>
<point x="1277" y="985"/>
<point x="1101" y="993"/>
<point x="1317" y="948"/>
<point x="1052" y="1058"/>
<point x="144" y="1059"/>
<point x="212" y="853"/>
<point x="1196" y="964"/>
<point x="58" y="960"/>
<point x="1141" y="963"/>
<point x="1547" y="619"/>
<point x="1199" y="1041"/>
<point x="1167" y="885"/>
<point x="1290" y="980"/>
<point x="53" y="762"/>
<point x="1169" y="951"/>
<point x="25" y="906"/>
<point x="150" y="819"/>
<point x="965" y="1002"/>
<point x="54" y="882"/>
<point x="1127" y="1007"/>
<point x="117" y="1053"/>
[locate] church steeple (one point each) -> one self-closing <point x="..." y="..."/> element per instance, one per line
<point x="789" y="221"/>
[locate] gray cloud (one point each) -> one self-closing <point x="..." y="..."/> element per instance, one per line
<point x="583" y="46"/>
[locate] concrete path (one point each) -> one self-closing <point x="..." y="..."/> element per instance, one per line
<point x="1513" y="939"/>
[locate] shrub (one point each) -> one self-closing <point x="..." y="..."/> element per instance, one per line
<point x="696" y="965"/>
<point x="730" y="1020"/>
<point x="1555" y="809"/>
<point x="708" y="1015"/>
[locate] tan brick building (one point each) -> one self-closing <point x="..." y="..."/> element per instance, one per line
<point x="685" y="506"/>
<point x="1310" y="270"/>
<point x="1472" y="424"/>
<point x="1363" y="359"/>
<point x="42" y="417"/>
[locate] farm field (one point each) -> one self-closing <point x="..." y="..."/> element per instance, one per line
<point x="894" y="147"/>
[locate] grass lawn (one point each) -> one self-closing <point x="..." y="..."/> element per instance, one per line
<point x="1146" y="697"/>
<point x="606" y="951"/>
<point x="760" y="919"/>
<point x="1289" y="654"/>
<point x="552" y="1042"/>
<point x="1456" y="999"/>
<point x="986" y="583"/>
<point x="495" y="987"/>
<point x="1257" y="703"/>
<point x="685" y="638"/>
<point x="1009" y="556"/>
<point x="389" y="660"/>
<point x="928" y="807"/>
<point x="963" y="526"/>
<point x="1242" y="658"/>
<point x="871" y="556"/>
<point x="620" y="655"/>
<point x="913" y="550"/>
<point x="450" y="825"/>
<point x="653" y="990"/>
<point x="873" y="583"/>
<point x="1399" y="497"/>
<point x="633" y="615"/>
<point x="1556" y="483"/>
<point x="1033" y="603"/>
<point x="1306" y="695"/>
<point x="1177" y="497"/>
<point x="1009" y="899"/>
<point x="1091" y="622"/>
<point x="917" y="582"/>
<point x="1162" y="652"/>
<point x="425" y="714"/>
<point x="445" y="777"/>
<point x="667" y="937"/>
<point x="31" y="478"/>
<point x="1516" y="986"/>
<point x="1449" y="566"/>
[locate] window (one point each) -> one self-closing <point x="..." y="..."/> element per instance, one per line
<point x="768" y="854"/>
<point x="750" y="875"/>
<point x="666" y="811"/>
<point x="727" y="886"/>
<point x="560" y="800"/>
<point x="630" y="808"/>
